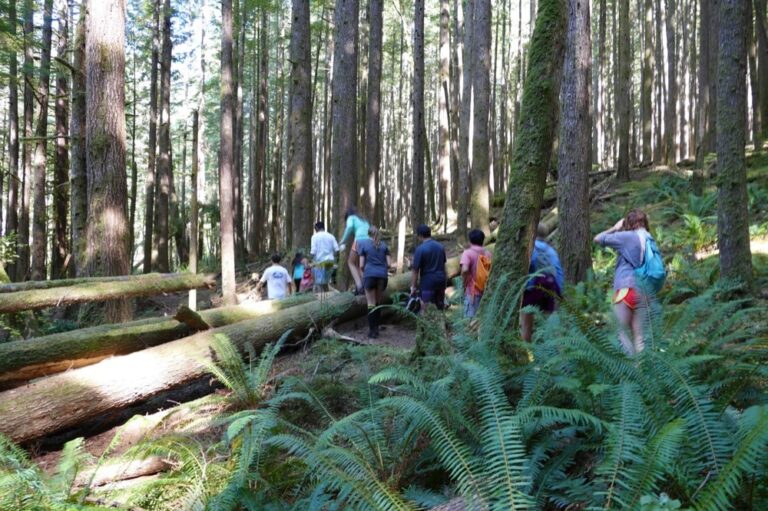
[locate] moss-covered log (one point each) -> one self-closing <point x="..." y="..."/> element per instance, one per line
<point x="24" y="360"/>
<point x="62" y="401"/>
<point x="15" y="287"/>
<point x="101" y="291"/>
<point x="533" y="144"/>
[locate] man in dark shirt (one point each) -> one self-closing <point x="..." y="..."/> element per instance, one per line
<point x="429" y="269"/>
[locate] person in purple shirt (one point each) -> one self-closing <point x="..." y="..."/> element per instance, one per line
<point x="627" y="237"/>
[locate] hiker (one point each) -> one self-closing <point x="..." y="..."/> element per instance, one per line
<point x="546" y="286"/>
<point x="428" y="268"/>
<point x="475" y="267"/>
<point x="298" y="269"/>
<point x="374" y="265"/>
<point x="628" y="238"/>
<point x="323" y="249"/>
<point x="279" y="283"/>
<point x="307" y="282"/>
<point x="357" y="227"/>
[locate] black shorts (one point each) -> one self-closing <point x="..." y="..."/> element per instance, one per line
<point x="543" y="294"/>
<point x="375" y="283"/>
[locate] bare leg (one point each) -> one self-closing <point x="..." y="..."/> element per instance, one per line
<point x="637" y="328"/>
<point x="354" y="268"/>
<point x="526" y="326"/>
<point x="625" y="317"/>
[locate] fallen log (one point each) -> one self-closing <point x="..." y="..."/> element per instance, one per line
<point x="91" y="292"/>
<point x="65" y="400"/>
<point x="24" y="360"/>
<point x="30" y="285"/>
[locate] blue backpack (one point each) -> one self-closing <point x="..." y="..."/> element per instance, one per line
<point x="651" y="274"/>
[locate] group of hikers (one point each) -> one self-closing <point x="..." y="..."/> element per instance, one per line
<point x="370" y="260"/>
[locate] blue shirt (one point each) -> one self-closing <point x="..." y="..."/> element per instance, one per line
<point x="544" y="258"/>
<point x="629" y="248"/>
<point x="375" y="258"/>
<point x="429" y="261"/>
<point x="356" y="226"/>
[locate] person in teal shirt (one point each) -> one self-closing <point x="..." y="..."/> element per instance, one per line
<point x="357" y="228"/>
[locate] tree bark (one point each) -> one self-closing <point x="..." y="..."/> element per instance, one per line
<point x="344" y="162"/>
<point x="732" y="200"/>
<point x="481" y="88"/>
<point x="373" y="112"/>
<point x="623" y="102"/>
<point x="22" y="261"/>
<point x="193" y="207"/>
<point x="64" y="400"/>
<point x="762" y="61"/>
<point x="164" y="145"/>
<point x="300" y="126"/>
<point x="464" y="120"/>
<point x="107" y="231"/>
<point x="39" y="224"/>
<point x="79" y="178"/>
<point x="42" y="356"/>
<point x="149" y="211"/>
<point x="670" y="112"/>
<point x="443" y="107"/>
<point x="575" y="160"/>
<point x="417" y="133"/>
<point x="60" y="248"/>
<point x="533" y="145"/>
<point x="12" y="218"/>
<point x="754" y="82"/>
<point x="145" y="285"/>
<point x="646" y="91"/>
<point x="226" y="194"/>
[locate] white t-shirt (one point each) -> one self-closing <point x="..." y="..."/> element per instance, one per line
<point x="277" y="279"/>
<point x="324" y="247"/>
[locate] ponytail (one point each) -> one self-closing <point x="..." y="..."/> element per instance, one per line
<point x="373" y="232"/>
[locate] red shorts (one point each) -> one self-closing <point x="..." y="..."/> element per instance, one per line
<point x="628" y="295"/>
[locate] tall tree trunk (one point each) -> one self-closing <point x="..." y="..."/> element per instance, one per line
<point x="762" y="61"/>
<point x="201" y="179"/>
<point x="149" y="212"/>
<point x="226" y="160"/>
<point x="732" y="200"/>
<point x="79" y="178"/>
<point x="263" y="135"/>
<point x="344" y="160"/>
<point x="39" y="224"/>
<point x="107" y="231"/>
<point x="238" y="73"/>
<point x="300" y="126"/>
<point x="443" y="103"/>
<point x="193" y="216"/>
<point x="466" y="114"/>
<point x="575" y="159"/>
<point x="533" y="146"/>
<point x="164" y="145"/>
<point x="277" y="156"/>
<point x="373" y="111"/>
<point x="646" y="91"/>
<point x="12" y="218"/>
<point x="754" y="82"/>
<point x="670" y="112"/>
<point x="623" y="104"/>
<point x="455" y="102"/>
<point x="418" y="135"/>
<point x="60" y="249"/>
<point x="481" y="161"/>
<point x="22" y="262"/>
<point x="134" y="168"/>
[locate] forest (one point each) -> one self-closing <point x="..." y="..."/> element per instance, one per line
<point x="442" y="255"/>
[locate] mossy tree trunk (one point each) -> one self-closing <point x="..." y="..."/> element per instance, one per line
<point x="575" y="147"/>
<point x="481" y="157"/>
<point x="300" y="127"/>
<point x="79" y="175"/>
<point x="107" y="230"/>
<point x="12" y="219"/>
<point x="533" y="144"/>
<point x="149" y="211"/>
<point x="646" y="87"/>
<point x="60" y="245"/>
<point x="373" y="113"/>
<point x="417" y="98"/>
<point x="732" y="200"/>
<point x="624" y="84"/>
<point x="164" y="176"/>
<point x="465" y="140"/>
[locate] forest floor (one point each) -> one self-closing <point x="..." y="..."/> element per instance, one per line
<point x="337" y="369"/>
